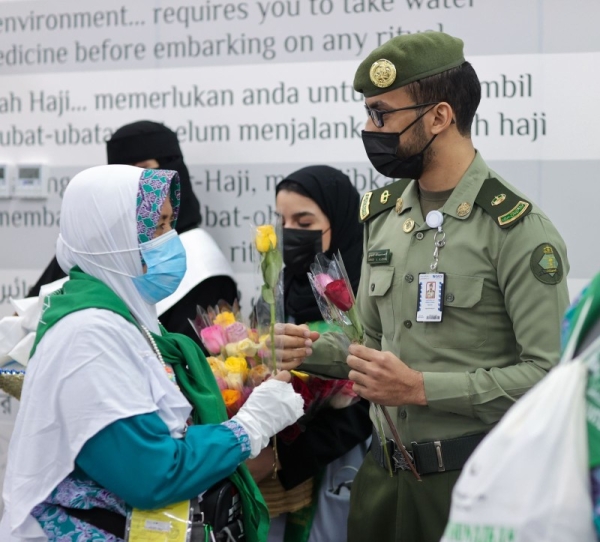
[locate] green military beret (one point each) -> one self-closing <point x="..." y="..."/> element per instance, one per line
<point x="405" y="59"/>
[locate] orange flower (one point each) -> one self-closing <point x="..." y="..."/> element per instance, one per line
<point x="231" y="397"/>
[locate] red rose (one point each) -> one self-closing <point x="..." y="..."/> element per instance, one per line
<point x="302" y="388"/>
<point x="337" y="292"/>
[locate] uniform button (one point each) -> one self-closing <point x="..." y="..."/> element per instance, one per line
<point x="407" y="324"/>
<point x="450" y="298"/>
<point x="372" y="287"/>
<point x="419" y="235"/>
<point x="403" y="414"/>
<point x="409" y="278"/>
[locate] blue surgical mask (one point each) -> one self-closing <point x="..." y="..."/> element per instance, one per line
<point x="165" y="261"/>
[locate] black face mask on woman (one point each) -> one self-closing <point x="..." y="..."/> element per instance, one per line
<point x="300" y="248"/>
<point x="382" y="150"/>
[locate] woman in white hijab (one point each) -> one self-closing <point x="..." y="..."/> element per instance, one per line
<point x="104" y="425"/>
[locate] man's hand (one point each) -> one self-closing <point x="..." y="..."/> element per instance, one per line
<point x="293" y="344"/>
<point x="383" y="378"/>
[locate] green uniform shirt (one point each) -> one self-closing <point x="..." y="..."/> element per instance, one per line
<point x="500" y="332"/>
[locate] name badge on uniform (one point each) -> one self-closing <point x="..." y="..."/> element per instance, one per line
<point x="379" y="257"/>
<point x="430" y="304"/>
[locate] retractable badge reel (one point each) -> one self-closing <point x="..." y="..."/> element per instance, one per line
<point x="430" y="306"/>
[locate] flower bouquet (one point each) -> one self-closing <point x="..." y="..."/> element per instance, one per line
<point x="335" y="298"/>
<point x="237" y="352"/>
<point x="238" y="355"/>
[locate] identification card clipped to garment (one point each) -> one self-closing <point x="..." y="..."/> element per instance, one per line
<point x="169" y="524"/>
<point x="430" y="306"/>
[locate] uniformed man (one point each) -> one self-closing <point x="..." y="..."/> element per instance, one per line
<point x="462" y="289"/>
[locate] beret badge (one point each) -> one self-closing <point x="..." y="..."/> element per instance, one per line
<point x="382" y="73"/>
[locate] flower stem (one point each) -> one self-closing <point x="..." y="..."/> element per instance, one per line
<point x="382" y="439"/>
<point x="358" y="330"/>
<point x="398" y="442"/>
<point x="272" y="333"/>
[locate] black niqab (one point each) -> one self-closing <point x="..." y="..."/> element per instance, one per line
<point x="333" y="192"/>
<point x="146" y="140"/>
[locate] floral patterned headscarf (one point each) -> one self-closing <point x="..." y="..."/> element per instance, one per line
<point x="155" y="186"/>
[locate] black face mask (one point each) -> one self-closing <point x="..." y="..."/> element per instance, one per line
<point x="300" y="248"/>
<point x="382" y="150"/>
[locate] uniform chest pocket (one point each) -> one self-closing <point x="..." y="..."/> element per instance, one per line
<point x="464" y="324"/>
<point x="380" y="289"/>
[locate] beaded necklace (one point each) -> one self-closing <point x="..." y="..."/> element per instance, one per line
<point x="168" y="368"/>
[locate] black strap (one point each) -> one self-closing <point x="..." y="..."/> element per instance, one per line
<point x="445" y="455"/>
<point x="108" y="521"/>
<point x="429" y="457"/>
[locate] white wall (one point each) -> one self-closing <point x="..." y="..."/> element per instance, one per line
<point x="289" y="76"/>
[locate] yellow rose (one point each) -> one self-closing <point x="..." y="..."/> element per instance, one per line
<point x="238" y="371"/>
<point x="237" y="365"/>
<point x="232" y="350"/>
<point x="265" y="239"/>
<point x="247" y="348"/>
<point x="217" y="366"/>
<point x="225" y="319"/>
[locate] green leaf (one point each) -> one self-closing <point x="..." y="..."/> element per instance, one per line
<point x="273" y="264"/>
<point x="267" y="294"/>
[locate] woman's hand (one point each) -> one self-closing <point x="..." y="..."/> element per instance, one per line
<point x="261" y="466"/>
<point x="293" y="344"/>
<point x="284" y="376"/>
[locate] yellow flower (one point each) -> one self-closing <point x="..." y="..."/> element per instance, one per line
<point x="217" y="366"/>
<point x="238" y="371"/>
<point x="247" y="348"/>
<point x="265" y="239"/>
<point x="237" y="365"/>
<point x="225" y="319"/>
<point x="232" y="350"/>
<point x="301" y="375"/>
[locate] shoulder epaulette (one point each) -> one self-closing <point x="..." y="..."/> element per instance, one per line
<point x="501" y="203"/>
<point x="377" y="201"/>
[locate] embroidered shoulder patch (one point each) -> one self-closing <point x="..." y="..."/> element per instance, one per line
<point x="365" y="206"/>
<point x="515" y="213"/>
<point x="546" y="264"/>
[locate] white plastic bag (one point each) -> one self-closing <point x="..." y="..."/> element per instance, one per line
<point x="528" y="481"/>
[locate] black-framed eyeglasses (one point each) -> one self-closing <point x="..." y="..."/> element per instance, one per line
<point x="377" y="116"/>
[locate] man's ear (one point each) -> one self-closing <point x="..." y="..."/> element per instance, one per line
<point x="443" y="118"/>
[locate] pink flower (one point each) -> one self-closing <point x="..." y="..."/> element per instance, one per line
<point x="213" y="338"/>
<point x="321" y="281"/>
<point x="221" y="383"/>
<point x="236" y="332"/>
<point x="344" y="397"/>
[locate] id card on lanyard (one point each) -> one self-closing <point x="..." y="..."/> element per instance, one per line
<point x="431" y="297"/>
<point x="430" y="305"/>
<point x="172" y="523"/>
